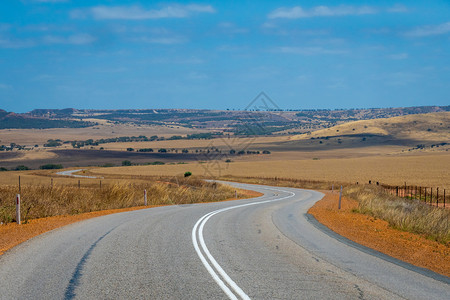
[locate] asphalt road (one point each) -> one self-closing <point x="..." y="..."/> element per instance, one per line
<point x="261" y="248"/>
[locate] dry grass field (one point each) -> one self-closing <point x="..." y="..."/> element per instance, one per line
<point x="30" y="137"/>
<point x="422" y="169"/>
<point x="423" y="127"/>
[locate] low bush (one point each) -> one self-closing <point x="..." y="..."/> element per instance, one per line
<point x="50" y="166"/>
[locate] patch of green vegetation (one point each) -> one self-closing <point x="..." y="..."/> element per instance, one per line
<point x="21" y="168"/>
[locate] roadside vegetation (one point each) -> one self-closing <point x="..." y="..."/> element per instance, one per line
<point x="403" y="214"/>
<point x="39" y="201"/>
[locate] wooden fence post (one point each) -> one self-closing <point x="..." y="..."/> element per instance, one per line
<point x="340" y="196"/>
<point x="437" y="196"/>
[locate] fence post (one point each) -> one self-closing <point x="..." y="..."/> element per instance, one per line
<point x="437" y="196"/>
<point x="397" y="191"/>
<point x="18" y="209"/>
<point x="340" y="196"/>
<point x="145" y="197"/>
<point x="332" y="188"/>
<point x="425" y="195"/>
<point x="431" y="196"/>
<point x="52" y="182"/>
<point x="235" y="194"/>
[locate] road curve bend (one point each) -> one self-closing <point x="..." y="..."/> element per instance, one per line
<point x="260" y="248"/>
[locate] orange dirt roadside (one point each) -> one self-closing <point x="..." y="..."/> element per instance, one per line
<point x="377" y="234"/>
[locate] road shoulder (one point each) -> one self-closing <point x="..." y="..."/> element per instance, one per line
<point x="376" y="234"/>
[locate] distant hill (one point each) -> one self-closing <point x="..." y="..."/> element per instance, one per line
<point x="431" y="127"/>
<point x="238" y="122"/>
<point x="26" y="121"/>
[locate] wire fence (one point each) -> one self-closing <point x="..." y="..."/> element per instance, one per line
<point x="432" y="196"/>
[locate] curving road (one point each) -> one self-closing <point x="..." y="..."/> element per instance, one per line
<point x="261" y="248"/>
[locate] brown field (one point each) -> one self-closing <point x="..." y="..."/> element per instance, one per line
<point x="30" y="137"/>
<point x="422" y="127"/>
<point x="423" y="169"/>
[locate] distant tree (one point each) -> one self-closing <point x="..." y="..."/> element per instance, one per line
<point x="130" y="149"/>
<point x="50" y="166"/>
<point x="3" y="169"/>
<point x="126" y="163"/>
<point x="162" y="150"/>
<point x="266" y="152"/>
<point x="53" y="143"/>
<point x="21" y="168"/>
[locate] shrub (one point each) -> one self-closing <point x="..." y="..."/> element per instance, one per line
<point x="187" y="174"/>
<point x="156" y="163"/>
<point x="21" y="168"/>
<point x="3" y="169"/>
<point x="53" y="143"/>
<point x="50" y="166"/>
<point x="126" y="163"/>
<point x="130" y="149"/>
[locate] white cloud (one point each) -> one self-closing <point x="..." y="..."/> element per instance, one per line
<point x="397" y="8"/>
<point x="401" y="78"/>
<point x="298" y="12"/>
<point x="138" y="13"/>
<point x="15" y="44"/>
<point x="196" y="76"/>
<point x="76" y="39"/>
<point x="51" y="1"/>
<point x="398" y="56"/>
<point x="230" y="28"/>
<point x="429" y="30"/>
<point x="309" y="50"/>
<point x="160" y="40"/>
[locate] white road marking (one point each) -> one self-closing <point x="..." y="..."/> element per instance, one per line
<point x="216" y="271"/>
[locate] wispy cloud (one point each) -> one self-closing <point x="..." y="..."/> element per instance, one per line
<point x="429" y="30"/>
<point x="51" y="1"/>
<point x="309" y="50"/>
<point x="76" y="39"/>
<point x="160" y="40"/>
<point x="398" y="56"/>
<point x="4" y="86"/>
<point x="230" y="28"/>
<point x="397" y="8"/>
<point x="298" y="12"/>
<point x="15" y="44"/>
<point x="138" y="13"/>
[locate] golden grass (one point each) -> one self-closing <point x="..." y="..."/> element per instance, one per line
<point x="379" y="235"/>
<point x="404" y="214"/>
<point x="421" y="170"/>
<point x="422" y="127"/>
<point x="31" y="137"/>
<point x="39" y="201"/>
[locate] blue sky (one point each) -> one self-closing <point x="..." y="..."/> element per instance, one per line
<point x="220" y="54"/>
